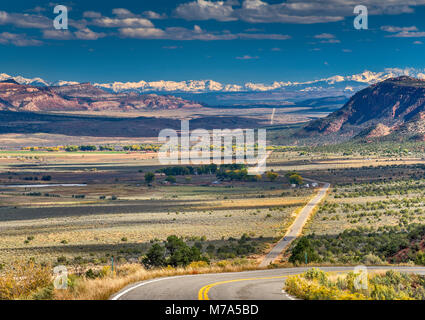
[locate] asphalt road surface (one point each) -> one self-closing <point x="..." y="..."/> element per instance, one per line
<point x="295" y="229"/>
<point x="250" y="285"/>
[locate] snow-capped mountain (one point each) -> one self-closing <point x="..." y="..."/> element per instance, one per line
<point x="347" y="83"/>
<point x="343" y="85"/>
<point x="22" y="80"/>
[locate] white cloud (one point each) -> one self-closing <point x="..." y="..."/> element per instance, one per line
<point x="394" y="29"/>
<point x="137" y="22"/>
<point x="265" y="36"/>
<point x="247" y="57"/>
<point x="81" y="34"/>
<point x="327" y="38"/>
<point x="403" y="32"/>
<point x="29" y="21"/>
<point x="142" y="33"/>
<point x="154" y="15"/>
<point x="406" y="34"/>
<point x="19" y="40"/>
<point x="206" y="10"/>
<point x="197" y="33"/>
<point x="92" y="14"/>
<point x="57" y="34"/>
<point x="331" y="41"/>
<point x="87" y="34"/>
<point x="172" y="47"/>
<point x="122" y="12"/>
<point x="324" y="36"/>
<point x="290" y="11"/>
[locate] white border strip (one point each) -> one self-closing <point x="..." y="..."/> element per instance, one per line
<point x="119" y="295"/>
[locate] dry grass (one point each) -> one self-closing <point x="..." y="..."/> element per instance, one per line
<point x="23" y="280"/>
<point x="104" y="288"/>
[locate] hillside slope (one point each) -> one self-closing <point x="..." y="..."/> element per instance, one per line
<point x="389" y="106"/>
<point x="81" y="97"/>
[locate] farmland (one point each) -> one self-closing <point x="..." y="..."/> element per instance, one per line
<point x="115" y="213"/>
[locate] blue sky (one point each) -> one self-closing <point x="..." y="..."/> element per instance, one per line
<point x="228" y="41"/>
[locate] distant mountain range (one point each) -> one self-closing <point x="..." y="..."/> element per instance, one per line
<point x="347" y="84"/>
<point x="220" y="94"/>
<point x="394" y="107"/>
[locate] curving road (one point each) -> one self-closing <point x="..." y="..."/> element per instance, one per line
<point x="250" y="285"/>
<point x="297" y="226"/>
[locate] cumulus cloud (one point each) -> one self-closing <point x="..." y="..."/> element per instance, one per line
<point x="92" y="14"/>
<point x="206" y="10"/>
<point x="136" y="22"/>
<point x="154" y="15"/>
<point x="142" y="33"/>
<point x="403" y="32"/>
<point x="53" y="34"/>
<point x="330" y="41"/>
<point x="87" y="34"/>
<point x="81" y="34"/>
<point x="265" y="36"/>
<point x="398" y="29"/>
<point x="197" y="33"/>
<point x="247" y="57"/>
<point x="327" y="38"/>
<point x="290" y="11"/>
<point x="171" y="47"/>
<point x="407" y="34"/>
<point x="20" y="40"/>
<point x="324" y="36"/>
<point x="174" y="33"/>
<point x="29" y="21"/>
<point x="122" y="12"/>
<point x="130" y="25"/>
<point x="122" y="18"/>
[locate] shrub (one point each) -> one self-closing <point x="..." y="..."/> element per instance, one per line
<point x="155" y="257"/>
<point x="198" y="264"/>
<point x="302" y="250"/>
<point x="272" y="176"/>
<point x="178" y="252"/>
<point x="24" y="280"/>
<point x="371" y="259"/>
<point x="171" y="179"/>
<point x="149" y="177"/>
<point x="315" y="284"/>
<point x="420" y="258"/>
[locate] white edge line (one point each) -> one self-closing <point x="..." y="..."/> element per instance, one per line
<point x="140" y="284"/>
<point x="119" y="295"/>
<point x="122" y="293"/>
<point x="287" y="295"/>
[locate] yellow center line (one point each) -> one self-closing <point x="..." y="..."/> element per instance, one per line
<point x="203" y="293"/>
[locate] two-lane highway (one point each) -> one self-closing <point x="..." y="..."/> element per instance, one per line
<point x="249" y="285"/>
<point x="297" y="226"/>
